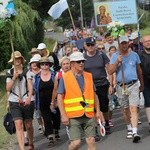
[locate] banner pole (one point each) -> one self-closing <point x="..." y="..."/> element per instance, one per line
<point x="81" y="12"/>
<point x="71" y="17"/>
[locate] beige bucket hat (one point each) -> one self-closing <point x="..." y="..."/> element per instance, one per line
<point x="33" y="50"/>
<point x="17" y="55"/>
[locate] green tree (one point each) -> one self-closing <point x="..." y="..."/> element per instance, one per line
<point x="22" y="28"/>
<point x="74" y="5"/>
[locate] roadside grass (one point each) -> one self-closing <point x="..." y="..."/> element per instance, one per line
<point x="49" y="43"/>
<point x="4" y="136"/>
<point x="145" y="31"/>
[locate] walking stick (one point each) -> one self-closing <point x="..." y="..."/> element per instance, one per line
<point x="15" y="69"/>
<point x="54" y="48"/>
<point x="123" y="80"/>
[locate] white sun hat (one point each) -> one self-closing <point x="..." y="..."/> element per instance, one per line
<point x="76" y="56"/>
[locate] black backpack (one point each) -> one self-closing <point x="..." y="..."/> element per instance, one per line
<point x="9" y="123"/>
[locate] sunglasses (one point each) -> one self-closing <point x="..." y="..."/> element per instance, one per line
<point x="90" y="44"/>
<point x="101" y="48"/>
<point x="44" y="64"/>
<point x="79" y="62"/>
<point x="83" y="104"/>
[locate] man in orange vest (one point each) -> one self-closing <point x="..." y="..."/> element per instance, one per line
<point x="77" y="101"/>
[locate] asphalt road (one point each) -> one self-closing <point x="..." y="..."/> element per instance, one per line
<point x="115" y="141"/>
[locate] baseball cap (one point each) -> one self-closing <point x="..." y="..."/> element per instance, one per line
<point x="123" y="39"/>
<point x="51" y="59"/>
<point x="34" y="59"/>
<point x="76" y="56"/>
<point x="41" y="46"/>
<point x="134" y="35"/>
<point x="90" y="40"/>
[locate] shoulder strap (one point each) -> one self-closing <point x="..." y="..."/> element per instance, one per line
<point x="102" y="56"/>
<point x="59" y="74"/>
<point x="10" y="73"/>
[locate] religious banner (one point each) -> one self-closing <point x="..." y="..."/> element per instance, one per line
<point x="115" y="11"/>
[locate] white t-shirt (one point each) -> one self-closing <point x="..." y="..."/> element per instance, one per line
<point x="18" y="86"/>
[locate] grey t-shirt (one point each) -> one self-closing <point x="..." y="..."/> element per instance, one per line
<point x="96" y="65"/>
<point x="107" y="46"/>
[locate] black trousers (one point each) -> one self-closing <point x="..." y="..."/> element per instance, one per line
<point x="47" y="117"/>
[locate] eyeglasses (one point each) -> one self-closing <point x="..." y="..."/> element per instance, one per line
<point x="90" y="44"/>
<point x="101" y="48"/>
<point x="79" y="62"/>
<point x="44" y="64"/>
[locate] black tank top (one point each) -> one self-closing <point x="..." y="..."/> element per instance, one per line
<point x="45" y="93"/>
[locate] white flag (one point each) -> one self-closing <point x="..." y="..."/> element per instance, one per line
<point x="56" y="10"/>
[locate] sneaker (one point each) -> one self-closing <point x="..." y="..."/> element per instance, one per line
<point x="51" y="141"/>
<point x="110" y="123"/>
<point x="107" y="129"/>
<point x="97" y="138"/>
<point x="139" y="122"/>
<point x="129" y="134"/>
<point x="136" y="138"/>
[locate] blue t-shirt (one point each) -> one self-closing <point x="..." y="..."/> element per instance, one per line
<point x="129" y="63"/>
<point x="61" y="86"/>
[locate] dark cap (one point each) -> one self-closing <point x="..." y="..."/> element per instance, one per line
<point x="90" y="40"/>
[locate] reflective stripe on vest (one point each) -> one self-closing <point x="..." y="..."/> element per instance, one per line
<point x="73" y="96"/>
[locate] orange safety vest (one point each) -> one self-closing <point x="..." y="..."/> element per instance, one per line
<point x="73" y="96"/>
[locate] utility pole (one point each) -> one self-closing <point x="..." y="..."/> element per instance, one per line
<point x="81" y="13"/>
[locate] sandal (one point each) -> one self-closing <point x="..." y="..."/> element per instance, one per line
<point x="51" y="142"/>
<point x="26" y="143"/>
<point x="31" y="147"/>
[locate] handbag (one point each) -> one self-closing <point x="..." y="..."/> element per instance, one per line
<point x="9" y="123"/>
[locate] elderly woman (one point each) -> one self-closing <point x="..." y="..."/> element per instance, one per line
<point x="65" y="66"/>
<point x="44" y="84"/>
<point x="19" y="87"/>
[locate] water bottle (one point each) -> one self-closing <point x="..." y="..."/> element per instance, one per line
<point x="54" y="111"/>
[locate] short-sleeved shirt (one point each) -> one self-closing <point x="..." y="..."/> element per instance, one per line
<point x="15" y="90"/>
<point x="129" y="64"/>
<point x="61" y="87"/>
<point x="80" y="80"/>
<point x="31" y="76"/>
<point x="96" y="65"/>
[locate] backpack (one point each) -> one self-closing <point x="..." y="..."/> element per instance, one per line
<point x="10" y="75"/>
<point x="9" y="123"/>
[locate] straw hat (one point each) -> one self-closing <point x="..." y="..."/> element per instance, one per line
<point x="17" y="55"/>
<point x="33" y="50"/>
<point x="45" y="60"/>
